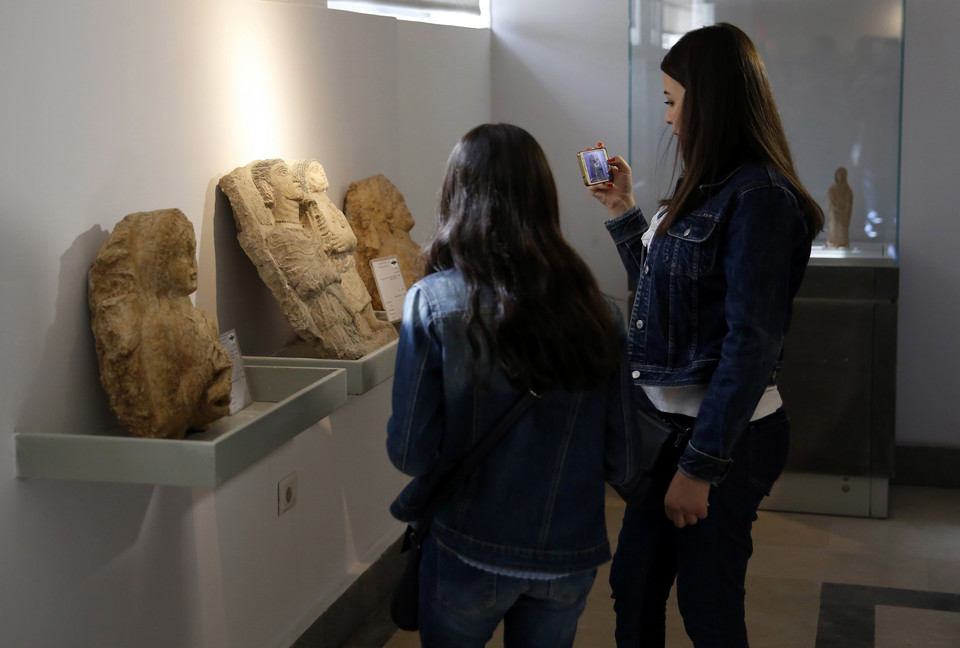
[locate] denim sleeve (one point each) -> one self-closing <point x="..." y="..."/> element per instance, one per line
<point x="621" y="430"/>
<point x="626" y="231"/>
<point x="760" y="245"/>
<point x="416" y="424"/>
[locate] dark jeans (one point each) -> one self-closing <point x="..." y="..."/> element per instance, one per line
<point x="461" y="606"/>
<point x="707" y="559"/>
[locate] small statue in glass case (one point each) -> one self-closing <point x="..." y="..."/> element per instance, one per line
<point x="839" y="210"/>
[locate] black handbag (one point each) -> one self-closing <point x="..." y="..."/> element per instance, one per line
<point x="404" y="604"/>
<point x="662" y="442"/>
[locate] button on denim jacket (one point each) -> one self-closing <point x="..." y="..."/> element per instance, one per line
<point x="713" y="302"/>
<point x="536" y="503"/>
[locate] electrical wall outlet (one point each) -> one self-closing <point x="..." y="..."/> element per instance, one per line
<point x="286" y="493"/>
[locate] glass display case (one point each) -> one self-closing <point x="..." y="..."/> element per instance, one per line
<point x="835" y="68"/>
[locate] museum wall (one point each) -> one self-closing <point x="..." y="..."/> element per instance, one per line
<point x="113" y="107"/>
<point x="559" y="69"/>
<point x="928" y="380"/>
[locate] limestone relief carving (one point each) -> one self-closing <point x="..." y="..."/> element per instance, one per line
<point x="161" y="362"/>
<point x="382" y="222"/>
<point x="839" y="210"/>
<point x="303" y="251"/>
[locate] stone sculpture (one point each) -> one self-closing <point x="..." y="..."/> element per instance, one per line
<point x="161" y="362"/>
<point x="300" y="251"/>
<point x="382" y="223"/>
<point x="839" y="210"/>
<point x="339" y="241"/>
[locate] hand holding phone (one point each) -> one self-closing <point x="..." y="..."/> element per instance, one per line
<point x="616" y="191"/>
<point x="593" y="166"/>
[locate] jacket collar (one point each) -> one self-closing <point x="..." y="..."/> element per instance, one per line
<point x="710" y="188"/>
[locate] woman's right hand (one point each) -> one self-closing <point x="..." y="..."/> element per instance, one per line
<point x="616" y="196"/>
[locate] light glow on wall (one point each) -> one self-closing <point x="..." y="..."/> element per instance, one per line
<point x="255" y="89"/>
<point x="893" y="21"/>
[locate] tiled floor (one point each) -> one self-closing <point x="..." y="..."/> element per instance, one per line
<point x="891" y="583"/>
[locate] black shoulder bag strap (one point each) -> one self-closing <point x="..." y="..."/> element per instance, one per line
<point x="452" y="480"/>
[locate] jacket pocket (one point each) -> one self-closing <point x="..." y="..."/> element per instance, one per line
<point x="690" y="248"/>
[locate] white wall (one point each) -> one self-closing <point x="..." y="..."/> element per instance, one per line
<point x="928" y="353"/>
<point x="113" y="107"/>
<point x="559" y="70"/>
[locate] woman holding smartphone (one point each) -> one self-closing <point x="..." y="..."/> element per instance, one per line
<point x="507" y="307"/>
<point x="716" y="269"/>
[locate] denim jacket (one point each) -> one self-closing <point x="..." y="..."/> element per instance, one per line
<point x="536" y="503"/>
<point x="713" y="302"/>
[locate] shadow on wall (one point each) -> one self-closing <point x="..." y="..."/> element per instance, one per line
<point x="65" y="395"/>
<point x="929" y="306"/>
<point x="84" y="549"/>
<point x="244" y="303"/>
<point x="517" y="62"/>
<point x="551" y="87"/>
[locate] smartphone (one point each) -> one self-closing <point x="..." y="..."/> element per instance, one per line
<point x="593" y="166"/>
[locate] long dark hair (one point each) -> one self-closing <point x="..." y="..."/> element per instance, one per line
<point x="728" y="117"/>
<point x="499" y="225"/>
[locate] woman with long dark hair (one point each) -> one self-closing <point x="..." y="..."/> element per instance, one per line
<point x="716" y="269"/>
<point x="507" y="307"/>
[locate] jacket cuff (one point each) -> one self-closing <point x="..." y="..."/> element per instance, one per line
<point x="626" y="224"/>
<point x="704" y="467"/>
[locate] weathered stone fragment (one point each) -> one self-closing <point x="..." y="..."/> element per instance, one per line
<point x="382" y="223"/>
<point x="161" y="362"/>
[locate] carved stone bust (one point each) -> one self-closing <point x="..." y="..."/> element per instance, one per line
<point x="382" y="222"/>
<point x="339" y="242"/>
<point x="304" y="255"/>
<point x="839" y="210"/>
<point x="161" y="362"/>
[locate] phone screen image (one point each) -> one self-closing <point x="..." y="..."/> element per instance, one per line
<point x="593" y="166"/>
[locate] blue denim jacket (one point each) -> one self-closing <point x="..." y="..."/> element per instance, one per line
<point x="536" y="503"/>
<point x="713" y="302"/>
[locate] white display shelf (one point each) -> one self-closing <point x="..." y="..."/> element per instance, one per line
<point x="362" y="375"/>
<point x="286" y="401"/>
<point x="858" y="254"/>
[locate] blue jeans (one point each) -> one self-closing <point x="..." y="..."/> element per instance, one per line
<point x="707" y="559"/>
<point x="461" y="606"/>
